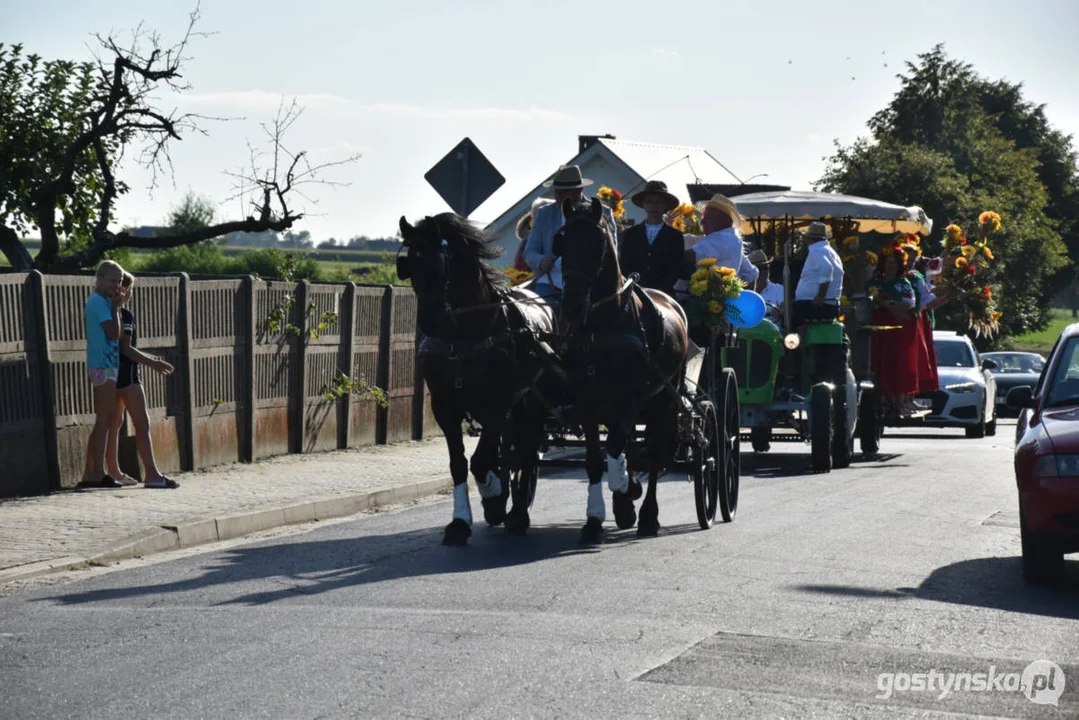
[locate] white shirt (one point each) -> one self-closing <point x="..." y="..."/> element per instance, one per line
<point x="772" y="294"/>
<point x="652" y="232"/>
<point x="823" y="265"/>
<point x="727" y="248"/>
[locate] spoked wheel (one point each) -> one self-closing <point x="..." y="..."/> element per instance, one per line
<point x="706" y="461"/>
<point x="730" y="465"/>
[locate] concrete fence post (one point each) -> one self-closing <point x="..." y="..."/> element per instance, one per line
<point x="39" y="324"/>
<point x="385" y="335"/>
<point x="346" y="356"/>
<point x="298" y="394"/>
<point x="187" y="373"/>
<point x="246" y="396"/>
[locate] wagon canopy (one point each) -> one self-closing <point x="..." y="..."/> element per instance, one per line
<point x="761" y="210"/>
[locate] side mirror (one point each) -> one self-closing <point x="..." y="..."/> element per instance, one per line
<point x="988" y="364"/>
<point x="1020" y="397"/>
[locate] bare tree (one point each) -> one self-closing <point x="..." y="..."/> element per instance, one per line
<point x="120" y="115"/>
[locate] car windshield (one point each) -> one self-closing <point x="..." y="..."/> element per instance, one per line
<point x="1064" y="387"/>
<point x="953" y="354"/>
<point x="1016" y="362"/>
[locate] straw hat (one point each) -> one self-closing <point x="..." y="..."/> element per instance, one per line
<point x="655" y="187"/>
<point x="568" y="177"/>
<point x="817" y="231"/>
<point x="758" y="257"/>
<point x="723" y="204"/>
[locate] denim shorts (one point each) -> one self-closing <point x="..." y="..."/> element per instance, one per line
<point x="100" y="376"/>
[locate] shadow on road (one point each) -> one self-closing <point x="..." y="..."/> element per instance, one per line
<point x="783" y="465"/>
<point x="285" y="570"/>
<point x="994" y="583"/>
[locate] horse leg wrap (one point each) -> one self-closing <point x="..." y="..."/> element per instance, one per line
<point x="491" y="486"/>
<point x="617" y="476"/>
<point x="596" y="506"/>
<point x="462" y="508"/>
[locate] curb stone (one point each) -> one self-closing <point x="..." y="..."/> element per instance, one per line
<point x="227" y="527"/>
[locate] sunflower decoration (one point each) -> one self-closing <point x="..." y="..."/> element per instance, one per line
<point x="517" y="277"/>
<point x="969" y="275"/>
<point x="613" y="200"/>
<point x="685" y="219"/>
<point x="710" y="287"/>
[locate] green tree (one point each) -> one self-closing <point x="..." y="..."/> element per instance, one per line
<point x="957" y="144"/>
<point x="63" y="128"/>
<point x="193" y="213"/>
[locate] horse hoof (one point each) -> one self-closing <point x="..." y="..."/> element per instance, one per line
<point x="517" y="522"/>
<point x="494" y="511"/>
<point x="648" y="529"/>
<point x="592" y="532"/>
<point x="456" y="533"/>
<point x="635" y="491"/>
<point x="625" y="515"/>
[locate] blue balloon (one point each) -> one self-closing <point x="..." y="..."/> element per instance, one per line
<point x="746" y="310"/>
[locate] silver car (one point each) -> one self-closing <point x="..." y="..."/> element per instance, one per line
<point x="968" y="392"/>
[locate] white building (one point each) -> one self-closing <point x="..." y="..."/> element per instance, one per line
<point x="624" y="166"/>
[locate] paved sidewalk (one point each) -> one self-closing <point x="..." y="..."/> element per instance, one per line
<point x="63" y="530"/>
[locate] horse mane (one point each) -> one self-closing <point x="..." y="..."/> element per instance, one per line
<point x="479" y="243"/>
<point x="583" y="206"/>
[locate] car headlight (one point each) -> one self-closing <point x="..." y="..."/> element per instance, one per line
<point x="1056" y="466"/>
<point x="961" y="387"/>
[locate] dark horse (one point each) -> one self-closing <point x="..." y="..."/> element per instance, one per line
<point x="478" y="357"/>
<point x="625" y="352"/>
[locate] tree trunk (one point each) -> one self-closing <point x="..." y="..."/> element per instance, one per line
<point x="15" y="252"/>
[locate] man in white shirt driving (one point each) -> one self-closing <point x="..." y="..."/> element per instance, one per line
<point x="821" y="282"/>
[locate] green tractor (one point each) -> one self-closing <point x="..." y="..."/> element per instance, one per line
<point x="804" y="385"/>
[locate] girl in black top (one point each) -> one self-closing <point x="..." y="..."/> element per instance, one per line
<point x="130" y="396"/>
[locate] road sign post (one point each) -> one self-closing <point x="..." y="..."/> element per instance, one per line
<point x="464" y="178"/>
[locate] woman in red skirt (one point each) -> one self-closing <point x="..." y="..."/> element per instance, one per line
<point x="895" y="351"/>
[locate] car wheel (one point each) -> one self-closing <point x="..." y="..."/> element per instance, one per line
<point x="1043" y="560"/>
<point x="991" y="427"/>
<point x="977" y="431"/>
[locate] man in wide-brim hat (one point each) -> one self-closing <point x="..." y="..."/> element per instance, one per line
<point x="816" y="296"/>
<point x="653" y="249"/>
<point x="722" y="240"/>
<point x="568" y="184"/>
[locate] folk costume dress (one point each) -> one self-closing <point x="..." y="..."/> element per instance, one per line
<point x="895" y="352"/>
<point x="927" y="358"/>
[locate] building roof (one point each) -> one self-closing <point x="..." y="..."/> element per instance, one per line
<point x="677" y="166"/>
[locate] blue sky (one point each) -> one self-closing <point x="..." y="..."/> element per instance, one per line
<point x="765" y="87"/>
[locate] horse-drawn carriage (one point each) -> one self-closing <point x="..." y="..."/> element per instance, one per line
<point x="612" y="376"/>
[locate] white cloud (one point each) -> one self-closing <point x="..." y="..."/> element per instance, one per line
<point x="261" y="100"/>
<point x="479" y="113"/>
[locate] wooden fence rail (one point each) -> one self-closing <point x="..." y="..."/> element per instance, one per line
<point x="242" y="390"/>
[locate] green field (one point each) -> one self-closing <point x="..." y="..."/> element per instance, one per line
<point x="337" y="262"/>
<point x="1042" y="340"/>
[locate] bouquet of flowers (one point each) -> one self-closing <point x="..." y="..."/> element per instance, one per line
<point x="710" y="287"/>
<point x="967" y="273"/>
<point x="613" y="200"/>
<point x="517" y="276"/>
<point x="685" y="218"/>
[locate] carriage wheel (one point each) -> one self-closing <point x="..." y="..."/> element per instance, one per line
<point x="730" y="466"/>
<point x="706" y="467"/>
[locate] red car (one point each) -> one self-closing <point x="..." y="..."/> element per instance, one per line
<point x="1047" y="461"/>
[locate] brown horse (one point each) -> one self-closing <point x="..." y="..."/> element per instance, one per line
<point x="478" y="357"/>
<point x="624" y="349"/>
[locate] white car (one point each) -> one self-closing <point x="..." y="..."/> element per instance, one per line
<point x="968" y="392"/>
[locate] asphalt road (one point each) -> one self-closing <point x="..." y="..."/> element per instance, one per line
<point x="906" y="564"/>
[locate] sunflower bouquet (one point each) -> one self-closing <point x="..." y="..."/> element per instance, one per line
<point x="613" y="200"/>
<point x="517" y="277"/>
<point x="710" y="287"/>
<point x="685" y="219"/>
<point x="967" y="273"/>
